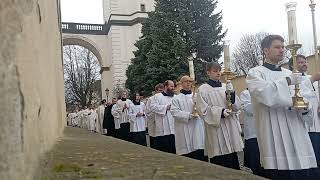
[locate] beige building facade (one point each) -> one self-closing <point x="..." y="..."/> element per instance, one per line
<point x="111" y="42"/>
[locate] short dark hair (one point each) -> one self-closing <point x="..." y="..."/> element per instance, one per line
<point x="166" y="83"/>
<point x="301" y="56"/>
<point x="290" y="63"/>
<point x="158" y="86"/>
<point x="103" y="101"/>
<point x="267" y="41"/>
<point x="213" y="65"/>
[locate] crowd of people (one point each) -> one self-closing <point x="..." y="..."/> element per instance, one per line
<point x="280" y="141"/>
<point x="88" y="118"/>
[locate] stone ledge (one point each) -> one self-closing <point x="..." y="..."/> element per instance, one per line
<point x="84" y="155"/>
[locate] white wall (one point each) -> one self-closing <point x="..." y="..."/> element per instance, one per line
<point x="123" y="40"/>
<point x="117" y="48"/>
<point x="126" y="7"/>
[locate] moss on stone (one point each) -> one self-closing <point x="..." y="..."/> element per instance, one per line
<point x="66" y="168"/>
<point x="90" y="174"/>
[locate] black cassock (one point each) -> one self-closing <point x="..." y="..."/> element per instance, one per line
<point x="108" y="122"/>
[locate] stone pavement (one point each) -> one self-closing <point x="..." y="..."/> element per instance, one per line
<point x="84" y="155"/>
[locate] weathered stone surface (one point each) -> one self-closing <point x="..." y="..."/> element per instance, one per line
<point x="83" y="155"/>
<point x="31" y="85"/>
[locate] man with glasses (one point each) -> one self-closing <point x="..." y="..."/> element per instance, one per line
<point x="189" y="130"/>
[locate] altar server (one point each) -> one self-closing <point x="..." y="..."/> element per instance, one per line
<point x="285" y="148"/>
<point x="189" y="128"/>
<point x="222" y="127"/>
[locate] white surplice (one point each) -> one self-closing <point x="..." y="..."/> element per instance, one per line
<point x="71" y="119"/>
<point x="151" y="124"/>
<point x="137" y="123"/>
<point x="68" y="119"/>
<point x="80" y="118"/>
<point x="84" y="118"/>
<point x="92" y="117"/>
<point x="189" y="132"/>
<point x="121" y="112"/>
<point x="100" y="112"/>
<point x="249" y="129"/>
<point x="282" y="137"/>
<point x="77" y="120"/>
<point x="164" y="123"/>
<point x="116" y="116"/>
<point x="222" y="135"/>
<point x="310" y="92"/>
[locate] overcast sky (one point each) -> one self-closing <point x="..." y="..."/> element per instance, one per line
<point x="239" y="17"/>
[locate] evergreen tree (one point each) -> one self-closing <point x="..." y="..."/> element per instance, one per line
<point x="171" y="33"/>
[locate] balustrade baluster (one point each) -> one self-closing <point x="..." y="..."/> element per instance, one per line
<point x="83" y="28"/>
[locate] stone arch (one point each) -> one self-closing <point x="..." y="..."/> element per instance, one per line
<point x="84" y="42"/>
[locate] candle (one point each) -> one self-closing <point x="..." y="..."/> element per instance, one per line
<point x="292" y="27"/>
<point x="226" y="54"/>
<point x="191" y="69"/>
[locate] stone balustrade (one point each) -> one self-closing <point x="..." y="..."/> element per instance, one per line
<point x="81" y="28"/>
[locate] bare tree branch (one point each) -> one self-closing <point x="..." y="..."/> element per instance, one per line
<point x="247" y="53"/>
<point x="81" y="72"/>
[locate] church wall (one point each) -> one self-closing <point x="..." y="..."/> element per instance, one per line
<point x="123" y="39"/>
<point x="129" y="7"/>
<point x="106" y="9"/>
<point x="125" y="7"/>
<point x="120" y="40"/>
<point x="31" y="91"/>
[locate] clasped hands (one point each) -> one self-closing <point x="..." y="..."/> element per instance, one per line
<point x="226" y="112"/>
<point x="139" y="114"/>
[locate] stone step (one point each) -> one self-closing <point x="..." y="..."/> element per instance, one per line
<point x="84" y="155"/>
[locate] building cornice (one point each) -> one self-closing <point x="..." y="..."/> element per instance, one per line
<point x="127" y="15"/>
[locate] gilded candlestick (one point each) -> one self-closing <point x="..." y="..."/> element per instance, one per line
<point x="297" y="99"/>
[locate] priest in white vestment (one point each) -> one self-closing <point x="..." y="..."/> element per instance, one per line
<point x="309" y="90"/>
<point x="285" y="148"/>
<point x="81" y="118"/>
<point x="116" y="116"/>
<point x="71" y="118"/>
<point x="189" y="128"/>
<point x="120" y="111"/>
<point x="84" y="117"/>
<point x="77" y="120"/>
<point x="68" y="119"/>
<point x="137" y="117"/>
<point x="164" y="123"/>
<point x="222" y="127"/>
<point x="92" y="117"/>
<point x="251" y="149"/>
<point x="151" y="124"/>
<point x="100" y="112"/>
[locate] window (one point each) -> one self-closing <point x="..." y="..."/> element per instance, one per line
<point x="143" y="7"/>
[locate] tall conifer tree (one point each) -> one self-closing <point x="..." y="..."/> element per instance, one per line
<point x="171" y="33"/>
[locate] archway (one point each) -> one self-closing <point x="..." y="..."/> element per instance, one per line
<point x="82" y="64"/>
<point x="84" y="42"/>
